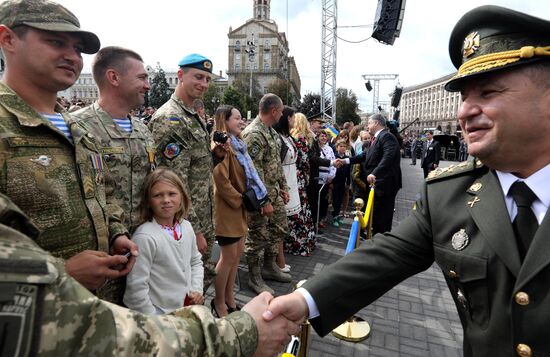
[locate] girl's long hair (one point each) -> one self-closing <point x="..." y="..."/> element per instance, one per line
<point x="159" y="175"/>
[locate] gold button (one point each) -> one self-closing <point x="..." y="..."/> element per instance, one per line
<point x="522" y="298"/>
<point x="453" y="274"/>
<point x="524" y="350"/>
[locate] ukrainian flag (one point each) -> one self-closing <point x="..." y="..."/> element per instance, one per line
<point x="331" y="131"/>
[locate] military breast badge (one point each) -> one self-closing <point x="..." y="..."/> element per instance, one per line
<point x="460" y="240"/>
<point x="471" y="44"/>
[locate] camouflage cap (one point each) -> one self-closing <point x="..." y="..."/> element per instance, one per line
<point x="490" y="38"/>
<point x="46" y="15"/>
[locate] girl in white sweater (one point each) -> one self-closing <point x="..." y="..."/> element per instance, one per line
<point x="168" y="273"/>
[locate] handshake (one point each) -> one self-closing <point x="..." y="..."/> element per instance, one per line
<point x="277" y="319"/>
<point x="338" y="163"/>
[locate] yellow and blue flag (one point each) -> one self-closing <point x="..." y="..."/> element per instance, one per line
<point x="331" y="130"/>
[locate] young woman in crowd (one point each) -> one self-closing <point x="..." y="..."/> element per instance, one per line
<point x="232" y="177"/>
<point x="301" y="238"/>
<point x="289" y="156"/>
<point x="168" y="273"/>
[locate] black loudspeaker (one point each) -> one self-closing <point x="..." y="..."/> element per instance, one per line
<point x="396" y="98"/>
<point x="388" y="20"/>
<point x="396" y="115"/>
<point x="368" y="86"/>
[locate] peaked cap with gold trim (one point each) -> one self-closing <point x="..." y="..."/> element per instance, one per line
<point x="490" y="38"/>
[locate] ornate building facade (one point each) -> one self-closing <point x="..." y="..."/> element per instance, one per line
<point x="270" y="60"/>
<point x="434" y="107"/>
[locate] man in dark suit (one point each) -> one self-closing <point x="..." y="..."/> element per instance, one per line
<point x="382" y="168"/>
<point x="431" y="152"/>
<point x="483" y="221"/>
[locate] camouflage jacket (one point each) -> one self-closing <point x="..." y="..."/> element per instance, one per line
<point x="129" y="157"/>
<point x="45" y="312"/>
<point x="183" y="144"/>
<point x="264" y="147"/>
<point x="58" y="184"/>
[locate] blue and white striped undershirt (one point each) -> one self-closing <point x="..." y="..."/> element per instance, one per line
<point x="124" y="123"/>
<point x="58" y="121"/>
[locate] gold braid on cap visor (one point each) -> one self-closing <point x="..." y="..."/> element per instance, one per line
<point x="499" y="59"/>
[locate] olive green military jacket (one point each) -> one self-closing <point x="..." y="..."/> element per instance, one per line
<point x="183" y="145"/>
<point x="128" y="157"/>
<point x="57" y="183"/>
<point x="45" y="312"/>
<point x="461" y="222"/>
<point x="264" y="147"/>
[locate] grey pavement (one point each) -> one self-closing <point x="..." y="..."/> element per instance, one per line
<point x="416" y="318"/>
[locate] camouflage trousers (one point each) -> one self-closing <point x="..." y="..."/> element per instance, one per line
<point x="208" y="265"/>
<point x="265" y="233"/>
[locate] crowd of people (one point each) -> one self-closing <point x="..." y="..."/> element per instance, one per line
<point x="101" y="204"/>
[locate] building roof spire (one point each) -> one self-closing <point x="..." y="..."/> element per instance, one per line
<point x="261" y="9"/>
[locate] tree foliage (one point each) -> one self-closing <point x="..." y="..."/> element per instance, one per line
<point x="311" y="105"/>
<point x="281" y="88"/>
<point x="160" y="91"/>
<point x="346" y="106"/>
<point x="212" y="98"/>
<point x="232" y="97"/>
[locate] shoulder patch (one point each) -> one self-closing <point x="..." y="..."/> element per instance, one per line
<point x="453" y="170"/>
<point x="173" y="120"/>
<point x="171" y="151"/>
<point x="254" y="150"/>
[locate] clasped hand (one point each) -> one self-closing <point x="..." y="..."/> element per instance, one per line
<point x="274" y="325"/>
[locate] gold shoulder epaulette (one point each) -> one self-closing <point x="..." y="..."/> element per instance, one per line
<point x="453" y="170"/>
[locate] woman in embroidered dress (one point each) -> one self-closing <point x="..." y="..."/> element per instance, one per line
<point x="168" y="273"/>
<point x="232" y="177"/>
<point x="301" y="238"/>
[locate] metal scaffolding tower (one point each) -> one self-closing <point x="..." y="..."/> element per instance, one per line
<point x="328" y="58"/>
<point x="376" y="78"/>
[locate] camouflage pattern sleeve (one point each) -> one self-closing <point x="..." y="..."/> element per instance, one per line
<point x="172" y="151"/>
<point x="115" y="219"/>
<point x="53" y="315"/>
<point x="256" y="150"/>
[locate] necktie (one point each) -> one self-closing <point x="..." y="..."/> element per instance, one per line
<point x="373" y="141"/>
<point x="525" y="224"/>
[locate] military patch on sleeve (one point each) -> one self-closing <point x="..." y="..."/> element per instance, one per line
<point x="174" y="120"/>
<point x="171" y="151"/>
<point x="18" y="305"/>
<point x="254" y="150"/>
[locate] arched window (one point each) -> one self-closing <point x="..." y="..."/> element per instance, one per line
<point x="237" y="45"/>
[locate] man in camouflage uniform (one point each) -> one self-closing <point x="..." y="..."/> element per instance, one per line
<point x="127" y="152"/>
<point x="51" y="167"/>
<point x="266" y="230"/>
<point x="39" y="301"/>
<point x="183" y="144"/>
<point x="126" y="143"/>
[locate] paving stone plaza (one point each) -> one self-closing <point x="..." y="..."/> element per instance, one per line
<point x="416" y="318"/>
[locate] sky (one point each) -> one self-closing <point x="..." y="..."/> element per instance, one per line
<point x="166" y="30"/>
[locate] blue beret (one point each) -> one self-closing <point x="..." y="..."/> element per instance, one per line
<point x="195" y="60"/>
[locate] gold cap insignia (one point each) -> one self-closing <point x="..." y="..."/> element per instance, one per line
<point x="476" y="187"/>
<point x="471" y="44"/>
<point x="207" y="64"/>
